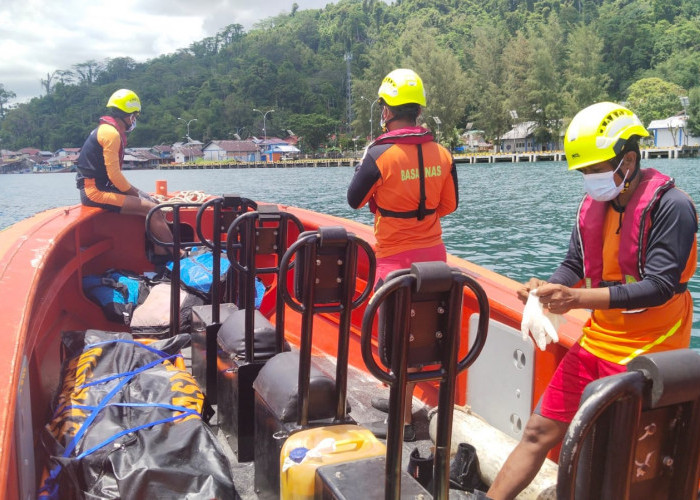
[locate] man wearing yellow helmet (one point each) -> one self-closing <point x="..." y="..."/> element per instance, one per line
<point x="410" y="182"/>
<point x="631" y="255"/>
<point x="100" y="178"/>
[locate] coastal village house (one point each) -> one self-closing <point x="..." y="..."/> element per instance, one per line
<point x="521" y="139"/>
<point x="187" y="153"/>
<point x="276" y="149"/>
<point x="278" y="152"/>
<point x="672" y="132"/>
<point x="67" y="152"/>
<point x="231" y="150"/>
<point x="163" y="151"/>
<point x="135" y="158"/>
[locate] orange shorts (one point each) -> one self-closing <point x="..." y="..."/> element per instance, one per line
<point x="91" y="196"/>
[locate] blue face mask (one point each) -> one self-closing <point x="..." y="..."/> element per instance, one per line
<point x="132" y="126"/>
<point x="602" y="187"/>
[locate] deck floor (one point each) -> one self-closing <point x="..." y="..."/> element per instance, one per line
<point x="362" y="388"/>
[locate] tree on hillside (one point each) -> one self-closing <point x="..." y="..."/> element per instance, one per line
<point x="516" y="60"/>
<point x="24" y="123"/>
<point x="694" y="111"/>
<point x="47" y="84"/>
<point x="586" y="84"/>
<point x="655" y="99"/>
<point x="117" y="68"/>
<point x="444" y="81"/>
<point x="486" y="93"/>
<point x="544" y="83"/>
<point x="380" y="60"/>
<point x="619" y="24"/>
<point x="677" y="51"/>
<point x="88" y="71"/>
<point x="313" y="129"/>
<point x="5" y="96"/>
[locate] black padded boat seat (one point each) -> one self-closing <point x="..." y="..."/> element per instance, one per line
<point x="278" y="384"/>
<point x="231" y="336"/>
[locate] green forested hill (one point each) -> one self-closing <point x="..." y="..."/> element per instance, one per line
<point x="479" y="59"/>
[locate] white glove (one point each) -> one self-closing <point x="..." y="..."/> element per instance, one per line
<point x="543" y="326"/>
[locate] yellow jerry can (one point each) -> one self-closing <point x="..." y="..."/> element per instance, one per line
<point x="307" y="450"/>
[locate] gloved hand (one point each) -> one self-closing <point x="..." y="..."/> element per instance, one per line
<point x="543" y="326"/>
<point x="145" y="196"/>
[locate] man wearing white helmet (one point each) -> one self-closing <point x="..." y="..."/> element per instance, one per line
<point x="631" y="254"/>
<point x="100" y="179"/>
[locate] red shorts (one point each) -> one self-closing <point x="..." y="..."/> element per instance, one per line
<point x="576" y="370"/>
<point x="403" y="260"/>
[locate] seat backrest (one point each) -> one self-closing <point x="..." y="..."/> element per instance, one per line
<point x="214" y="218"/>
<point x="420" y="313"/>
<point x="255" y="244"/>
<point x="174" y="209"/>
<point x="325" y="264"/>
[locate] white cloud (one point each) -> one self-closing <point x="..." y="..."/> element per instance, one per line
<point x="41" y="36"/>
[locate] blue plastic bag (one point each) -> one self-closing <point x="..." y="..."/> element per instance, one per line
<point x="197" y="270"/>
<point x="117" y="292"/>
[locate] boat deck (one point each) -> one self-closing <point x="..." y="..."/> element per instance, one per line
<point x="361" y="389"/>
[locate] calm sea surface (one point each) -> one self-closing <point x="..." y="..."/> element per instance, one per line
<point x="513" y="218"/>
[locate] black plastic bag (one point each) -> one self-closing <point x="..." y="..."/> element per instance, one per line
<point x="127" y="424"/>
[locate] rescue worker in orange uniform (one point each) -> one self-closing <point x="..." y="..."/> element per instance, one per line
<point x="409" y="182"/>
<point x="100" y="178"/>
<point x="631" y="255"/>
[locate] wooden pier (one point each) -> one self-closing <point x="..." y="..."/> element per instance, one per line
<point x="213" y="165"/>
<point x="670" y="153"/>
<point x="470" y="158"/>
<point x="531" y="156"/>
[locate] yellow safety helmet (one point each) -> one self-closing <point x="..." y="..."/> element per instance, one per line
<point x="402" y="86"/>
<point x="598" y="133"/>
<point x="126" y="100"/>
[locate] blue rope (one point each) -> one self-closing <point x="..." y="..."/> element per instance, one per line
<point x="185" y="413"/>
<point x="160" y="353"/>
<point x="129" y="375"/>
<point x="51" y="485"/>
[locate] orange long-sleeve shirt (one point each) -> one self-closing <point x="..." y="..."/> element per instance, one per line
<point x="389" y="175"/>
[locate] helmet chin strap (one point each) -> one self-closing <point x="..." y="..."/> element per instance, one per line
<point x="629" y="180"/>
<point x="387" y="122"/>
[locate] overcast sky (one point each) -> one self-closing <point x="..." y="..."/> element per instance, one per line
<point x="41" y="36"/>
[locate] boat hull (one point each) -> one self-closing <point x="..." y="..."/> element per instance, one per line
<point x="42" y="261"/>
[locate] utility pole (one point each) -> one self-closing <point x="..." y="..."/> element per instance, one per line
<point x="348" y="90"/>
<point x="371" y="112"/>
<point x="264" y="115"/>
<point x="437" y="122"/>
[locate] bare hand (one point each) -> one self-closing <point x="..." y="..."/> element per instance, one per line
<point x="559" y="299"/>
<point x="524" y="291"/>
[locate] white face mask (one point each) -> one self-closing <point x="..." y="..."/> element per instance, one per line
<point x="132" y="126"/>
<point x="602" y="187"/>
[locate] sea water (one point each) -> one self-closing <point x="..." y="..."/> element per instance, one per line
<point x="513" y="218"/>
